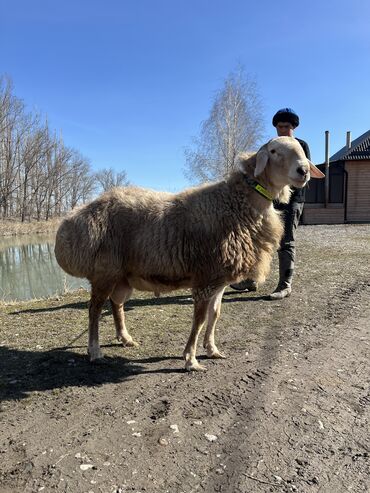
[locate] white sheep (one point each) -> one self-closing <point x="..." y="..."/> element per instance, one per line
<point x="203" y="238"/>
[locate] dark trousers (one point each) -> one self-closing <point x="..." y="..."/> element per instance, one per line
<point x="291" y="215"/>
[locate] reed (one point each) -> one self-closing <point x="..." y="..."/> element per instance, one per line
<point x="15" y="228"/>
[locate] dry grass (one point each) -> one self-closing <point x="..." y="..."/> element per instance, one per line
<point x="14" y="228"/>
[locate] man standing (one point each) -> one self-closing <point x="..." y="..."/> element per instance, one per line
<point x="285" y="121"/>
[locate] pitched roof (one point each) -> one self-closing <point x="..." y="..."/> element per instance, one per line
<point x="360" y="149"/>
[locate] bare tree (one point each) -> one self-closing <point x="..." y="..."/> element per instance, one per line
<point x="40" y="177"/>
<point x="235" y="125"/>
<point x="108" y="178"/>
<point x="80" y="181"/>
<point x="34" y="150"/>
<point x="13" y="126"/>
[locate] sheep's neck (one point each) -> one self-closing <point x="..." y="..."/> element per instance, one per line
<point x="266" y="183"/>
<point x="259" y="188"/>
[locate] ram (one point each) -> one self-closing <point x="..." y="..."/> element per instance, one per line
<point x="203" y="238"/>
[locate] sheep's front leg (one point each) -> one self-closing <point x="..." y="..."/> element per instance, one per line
<point x="214" y="311"/>
<point x="120" y="295"/>
<point x="199" y="317"/>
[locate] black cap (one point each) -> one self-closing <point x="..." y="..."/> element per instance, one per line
<point x="286" y="115"/>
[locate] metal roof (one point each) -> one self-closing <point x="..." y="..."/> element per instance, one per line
<point x="360" y="149"/>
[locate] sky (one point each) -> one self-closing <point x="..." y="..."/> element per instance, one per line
<point x="128" y="83"/>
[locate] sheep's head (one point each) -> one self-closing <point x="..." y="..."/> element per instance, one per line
<point x="285" y="163"/>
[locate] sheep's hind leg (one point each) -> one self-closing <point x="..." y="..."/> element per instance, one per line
<point x="120" y="295"/>
<point x="199" y="317"/>
<point x="98" y="297"/>
<point x="214" y="311"/>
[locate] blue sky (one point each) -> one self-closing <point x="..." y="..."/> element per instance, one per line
<point x="128" y="82"/>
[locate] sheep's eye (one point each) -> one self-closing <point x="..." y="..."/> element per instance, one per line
<point x="272" y="151"/>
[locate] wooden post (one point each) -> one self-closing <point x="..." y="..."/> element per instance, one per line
<point x="326" y="168"/>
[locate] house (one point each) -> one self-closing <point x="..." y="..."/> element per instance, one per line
<point x="347" y="198"/>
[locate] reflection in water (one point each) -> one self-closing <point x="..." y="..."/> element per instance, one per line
<point x="28" y="269"/>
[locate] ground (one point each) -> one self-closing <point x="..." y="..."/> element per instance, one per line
<point x="288" y="410"/>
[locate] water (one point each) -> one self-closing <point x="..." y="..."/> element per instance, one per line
<point x="28" y="269"/>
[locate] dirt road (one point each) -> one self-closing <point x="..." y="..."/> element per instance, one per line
<point x="289" y="410"/>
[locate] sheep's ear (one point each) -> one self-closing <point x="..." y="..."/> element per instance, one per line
<point x="315" y="172"/>
<point x="261" y="161"/>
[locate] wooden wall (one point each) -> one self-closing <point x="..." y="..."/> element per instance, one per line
<point x="318" y="214"/>
<point x="358" y="191"/>
<point x="358" y="199"/>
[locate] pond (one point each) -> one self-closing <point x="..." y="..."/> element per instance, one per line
<point x="28" y="269"/>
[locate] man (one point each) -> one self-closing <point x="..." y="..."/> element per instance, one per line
<point x="285" y="121"/>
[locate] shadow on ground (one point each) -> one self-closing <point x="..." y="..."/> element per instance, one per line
<point x="23" y="372"/>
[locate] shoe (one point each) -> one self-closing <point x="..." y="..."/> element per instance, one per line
<point x="246" y="285"/>
<point x="286" y="271"/>
<point x="280" y="293"/>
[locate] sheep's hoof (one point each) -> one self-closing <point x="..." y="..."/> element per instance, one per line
<point x="130" y="343"/>
<point x="127" y="342"/>
<point x="194" y="366"/>
<point x="215" y="354"/>
<point x="95" y="354"/>
<point x="100" y="362"/>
